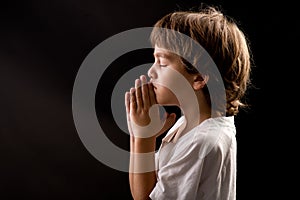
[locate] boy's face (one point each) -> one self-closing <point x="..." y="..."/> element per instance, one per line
<point x="163" y="78"/>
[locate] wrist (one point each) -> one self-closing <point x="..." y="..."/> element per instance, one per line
<point x="144" y="145"/>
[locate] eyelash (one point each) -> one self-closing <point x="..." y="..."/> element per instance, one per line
<point x="158" y="63"/>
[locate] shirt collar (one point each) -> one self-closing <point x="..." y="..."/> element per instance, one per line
<point x="176" y="131"/>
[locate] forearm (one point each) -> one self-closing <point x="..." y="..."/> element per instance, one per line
<point x="142" y="174"/>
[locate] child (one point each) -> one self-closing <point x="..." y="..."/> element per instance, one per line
<point x="197" y="157"/>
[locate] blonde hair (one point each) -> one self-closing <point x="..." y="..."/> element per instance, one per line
<point x="222" y="39"/>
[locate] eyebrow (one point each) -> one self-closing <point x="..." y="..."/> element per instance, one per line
<point x="162" y="55"/>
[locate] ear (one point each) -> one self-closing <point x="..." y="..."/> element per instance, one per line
<point x="199" y="81"/>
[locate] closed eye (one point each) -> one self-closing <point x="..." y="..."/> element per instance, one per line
<point x="162" y="65"/>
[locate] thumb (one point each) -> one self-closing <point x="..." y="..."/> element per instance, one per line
<point x="169" y="122"/>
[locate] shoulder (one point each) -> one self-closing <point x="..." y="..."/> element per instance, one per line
<point x="214" y="135"/>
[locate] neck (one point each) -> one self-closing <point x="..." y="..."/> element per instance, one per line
<point x="195" y="113"/>
<point x="193" y="118"/>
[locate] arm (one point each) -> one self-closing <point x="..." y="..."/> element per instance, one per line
<point x="142" y="183"/>
<point x="143" y="131"/>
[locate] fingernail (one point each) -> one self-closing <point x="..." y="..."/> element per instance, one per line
<point x="137" y="82"/>
<point x="143" y="79"/>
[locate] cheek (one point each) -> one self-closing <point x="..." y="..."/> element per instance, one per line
<point x="174" y="87"/>
<point x="167" y="77"/>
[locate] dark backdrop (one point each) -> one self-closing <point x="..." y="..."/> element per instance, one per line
<point x="43" y="44"/>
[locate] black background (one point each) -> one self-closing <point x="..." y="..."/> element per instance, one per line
<point x="43" y="44"/>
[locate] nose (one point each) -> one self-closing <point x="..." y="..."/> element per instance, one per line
<point x="152" y="72"/>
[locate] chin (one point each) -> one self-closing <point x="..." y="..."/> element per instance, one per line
<point x="161" y="102"/>
<point x="164" y="97"/>
<point x="165" y="102"/>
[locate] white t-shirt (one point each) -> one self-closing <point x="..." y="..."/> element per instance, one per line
<point x="200" y="164"/>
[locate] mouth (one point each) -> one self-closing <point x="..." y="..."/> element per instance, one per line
<point x="152" y="83"/>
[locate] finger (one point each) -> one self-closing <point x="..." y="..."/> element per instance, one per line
<point x="152" y="97"/>
<point x="170" y="120"/>
<point x="132" y="100"/>
<point x="138" y="93"/>
<point x="127" y="105"/>
<point x="127" y="102"/>
<point x="145" y="92"/>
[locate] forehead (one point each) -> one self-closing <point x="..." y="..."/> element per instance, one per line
<point x="163" y="53"/>
<point x="160" y="52"/>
